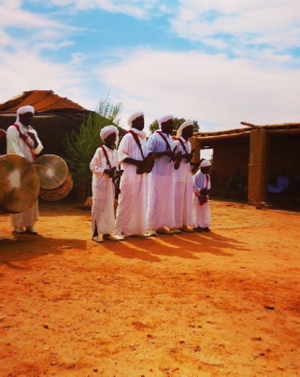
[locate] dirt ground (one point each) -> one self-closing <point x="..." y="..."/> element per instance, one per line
<point x="225" y="303"/>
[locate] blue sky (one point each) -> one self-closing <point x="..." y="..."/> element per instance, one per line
<point x="218" y="62"/>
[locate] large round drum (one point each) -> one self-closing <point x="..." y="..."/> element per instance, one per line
<point x="52" y="171"/>
<point x="19" y="186"/>
<point x="58" y="194"/>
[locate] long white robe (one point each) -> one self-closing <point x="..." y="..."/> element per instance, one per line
<point x="103" y="191"/>
<point x="131" y="210"/>
<point x="183" y="188"/>
<point x="16" y="145"/>
<point x="161" y="198"/>
<point x="201" y="213"/>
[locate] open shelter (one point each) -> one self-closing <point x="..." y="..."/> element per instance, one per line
<point x="259" y="152"/>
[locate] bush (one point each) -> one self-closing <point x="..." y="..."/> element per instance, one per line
<point x="81" y="145"/>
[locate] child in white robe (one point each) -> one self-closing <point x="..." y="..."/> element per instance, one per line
<point x="104" y="168"/>
<point x="201" y="188"/>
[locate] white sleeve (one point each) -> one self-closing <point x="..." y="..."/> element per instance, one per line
<point x="96" y="165"/>
<point x="13" y="141"/>
<point x="39" y="147"/>
<point x="123" y="149"/>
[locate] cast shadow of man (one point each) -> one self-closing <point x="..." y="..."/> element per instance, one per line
<point x="184" y="245"/>
<point x="24" y="247"/>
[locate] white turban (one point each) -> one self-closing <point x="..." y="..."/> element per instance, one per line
<point x="184" y="125"/>
<point x="165" y="119"/>
<point x="107" y="130"/>
<point x="134" y="117"/>
<point x="205" y="163"/>
<point x="23" y="110"/>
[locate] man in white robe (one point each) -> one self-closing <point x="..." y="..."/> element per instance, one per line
<point x="161" y="197"/>
<point x="22" y="140"/>
<point x="183" y="180"/>
<point x="201" y="188"/>
<point x="131" y="210"/>
<point x="104" y="168"/>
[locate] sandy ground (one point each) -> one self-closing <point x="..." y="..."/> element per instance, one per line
<point x="225" y="303"/>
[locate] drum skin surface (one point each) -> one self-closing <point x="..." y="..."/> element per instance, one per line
<point x="52" y="171"/>
<point x="20" y="186"/>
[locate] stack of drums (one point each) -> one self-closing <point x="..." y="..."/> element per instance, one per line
<point x="55" y="179"/>
<point x="19" y="184"/>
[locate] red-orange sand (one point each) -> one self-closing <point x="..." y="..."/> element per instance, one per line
<point x="225" y="303"/>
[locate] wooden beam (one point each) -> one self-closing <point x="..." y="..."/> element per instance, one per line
<point x="249" y="125"/>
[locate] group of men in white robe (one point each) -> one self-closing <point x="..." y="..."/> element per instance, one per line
<point x="156" y="183"/>
<point x="158" y="194"/>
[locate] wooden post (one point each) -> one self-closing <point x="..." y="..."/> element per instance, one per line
<point x="257" y="185"/>
<point x="196" y="144"/>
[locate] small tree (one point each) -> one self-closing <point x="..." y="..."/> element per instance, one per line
<point x="177" y="123"/>
<point x="81" y="145"/>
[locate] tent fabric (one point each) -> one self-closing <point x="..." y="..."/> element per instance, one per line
<point x="54" y="117"/>
<point x="41" y="100"/>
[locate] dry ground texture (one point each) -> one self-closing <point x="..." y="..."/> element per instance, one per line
<point x="225" y="303"/>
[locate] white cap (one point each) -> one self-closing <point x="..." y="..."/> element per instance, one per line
<point x="184" y="125"/>
<point x="134" y="117"/>
<point x="164" y="119"/>
<point x="205" y="163"/>
<point x="107" y="130"/>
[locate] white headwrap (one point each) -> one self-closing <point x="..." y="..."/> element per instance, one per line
<point x="205" y="163"/>
<point x="133" y="117"/>
<point x="23" y="110"/>
<point x="184" y="125"/>
<point x="164" y="119"/>
<point x="107" y="130"/>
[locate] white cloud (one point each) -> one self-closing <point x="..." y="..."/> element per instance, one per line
<point x="272" y="22"/>
<point x="22" y="19"/>
<point x="134" y="8"/>
<point x="35" y="32"/>
<point x="23" y="71"/>
<point x="216" y="91"/>
<point x="25" y="67"/>
<point x="11" y="3"/>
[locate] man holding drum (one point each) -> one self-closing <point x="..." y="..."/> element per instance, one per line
<point x="22" y="140"/>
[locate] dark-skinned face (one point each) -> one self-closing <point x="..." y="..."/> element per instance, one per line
<point x="205" y="170"/>
<point x="110" y="140"/>
<point x="26" y="118"/>
<point x="187" y="132"/>
<point x="167" y="127"/>
<point x="139" y="123"/>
